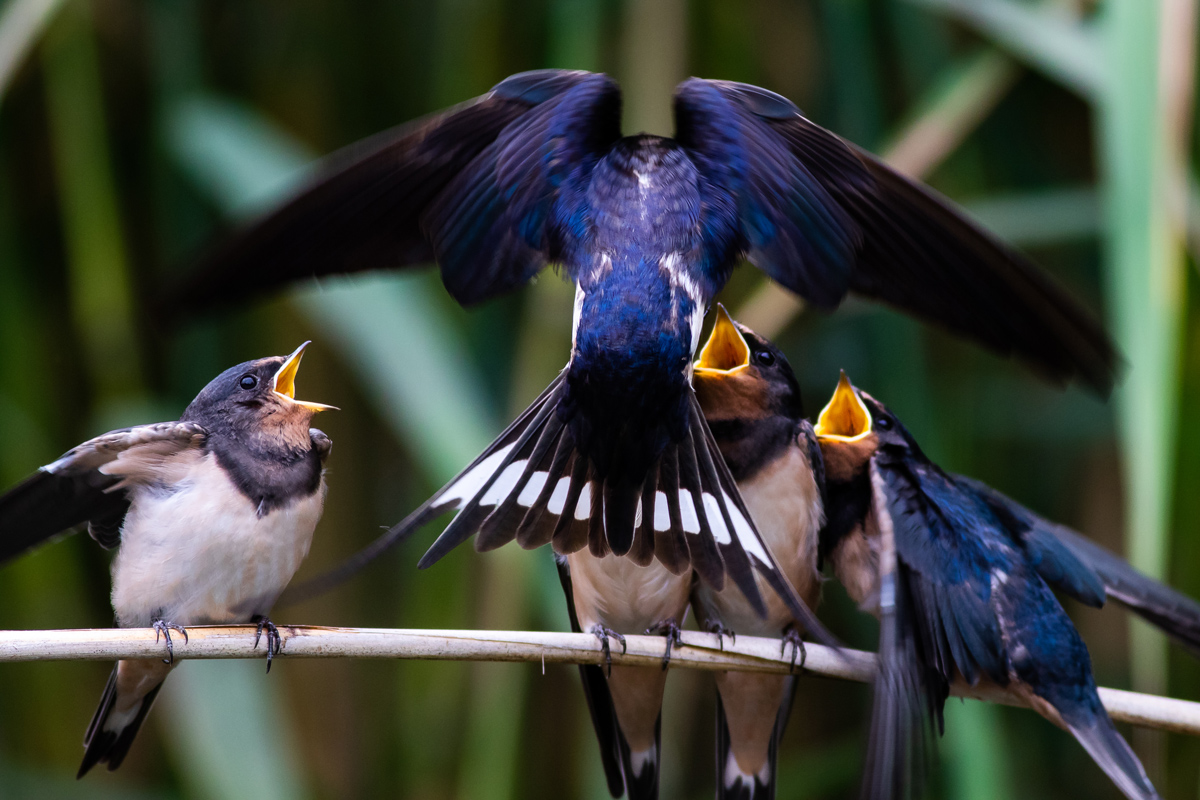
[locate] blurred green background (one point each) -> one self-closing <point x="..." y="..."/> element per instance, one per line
<point x="134" y="131"/>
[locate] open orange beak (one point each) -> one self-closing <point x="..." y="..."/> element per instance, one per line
<point x="285" y="381"/>
<point x="845" y="418"/>
<point x="726" y="351"/>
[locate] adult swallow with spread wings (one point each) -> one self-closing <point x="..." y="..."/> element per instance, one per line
<point x="536" y="172"/>
<point x="212" y="514"/>
<point x="960" y="577"/>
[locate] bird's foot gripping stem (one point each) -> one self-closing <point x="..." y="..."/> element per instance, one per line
<point x="721" y="631"/>
<point x="791" y="636"/>
<point x="604" y="634"/>
<point x="163" y="628"/>
<point x="670" y="629"/>
<point x="274" y="637"/>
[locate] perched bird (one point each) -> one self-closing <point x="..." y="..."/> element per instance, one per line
<point x="213" y="515"/>
<point x="610" y="597"/>
<point x="536" y="172"/>
<point x="752" y="403"/>
<point x="960" y="578"/>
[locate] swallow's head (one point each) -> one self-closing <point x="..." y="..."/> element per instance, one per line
<point x="743" y="376"/>
<point x="257" y="401"/>
<point x="847" y="432"/>
<point x="854" y="425"/>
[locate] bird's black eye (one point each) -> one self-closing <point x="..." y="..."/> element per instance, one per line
<point x="248" y="382"/>
<point x="884" y="423"/>
<point x="765" y="357"/>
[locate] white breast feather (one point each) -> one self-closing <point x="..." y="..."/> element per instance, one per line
<point x="198" y="553"/>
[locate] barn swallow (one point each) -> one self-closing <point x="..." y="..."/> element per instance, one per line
<point x="537" y="172"/>
<point x="212" y="514"/>
<point x="609" y="597"/>
<point x="752" y="402"/>
<point x="947" y="567"/>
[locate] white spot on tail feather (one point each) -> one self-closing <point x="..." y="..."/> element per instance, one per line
<point x="469" y="484"/>
<point x="716" y="521"/>
<point x="504" y="484"/>
<point x="640" y="760"/>
<point x="559" y="498"/>
<point x="745" y="533"/>
<point x="662" y="513"/>
<point x="733" y="773"/>
<point x="687" y="512"/>
<point x="583" y="509"/>
<point x="537" y="481"/>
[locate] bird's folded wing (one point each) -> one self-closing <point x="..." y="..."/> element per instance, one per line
<point x="470" y="187"/>
<point x="1101" y="571"/>
<point x="946" y="546"/>
<point x="791" y="180"/>
<point x="86" y="485"/>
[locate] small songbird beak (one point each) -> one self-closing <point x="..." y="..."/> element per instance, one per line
<point x="845" y="418"/>
<point x="725" y="351"/>
<point x="285" y="381"/>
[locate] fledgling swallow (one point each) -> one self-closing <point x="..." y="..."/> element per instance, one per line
<point x="212" y="514"/>
<point x="609" y="597"/>
<point x="537" y="172"/>
<point x="961" y="595"/>
<point x="752" y="402"/>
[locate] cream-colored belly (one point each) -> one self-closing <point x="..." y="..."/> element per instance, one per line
<point x="785" y="505"/>
<point x="200" y="554"/>
<point x="617" y="593"/>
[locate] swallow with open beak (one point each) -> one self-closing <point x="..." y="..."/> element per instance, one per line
<point x="960" y="578"/>
<point x="753" y="406"/>
<point x="212" y="514"/>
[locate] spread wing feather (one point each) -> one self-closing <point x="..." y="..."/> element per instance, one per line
<point x="778" y="181"/>
<point x="471" y="187"/>
<point x="86" y="485"/>
<point x="1087" y="571"/>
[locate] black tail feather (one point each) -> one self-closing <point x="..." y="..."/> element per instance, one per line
<point x="737" y="788"/>
<point x="1112" y="754"/>
<point x="685" y="510"/>
<point x="501" y="525"/>
<point x="571" y="533"/>
<point x="472" y="515"/>
<point x="599" y="699"/>
<point x="111" y="747"/>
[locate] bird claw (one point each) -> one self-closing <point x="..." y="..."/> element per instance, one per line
<point x="274" y="638"/>
<point x="604" y="634"/>
<point x="163" y="628"/>
<point x="792" y="636"/>
<point x="670" y="629"/>
<point x="721" y="631"/>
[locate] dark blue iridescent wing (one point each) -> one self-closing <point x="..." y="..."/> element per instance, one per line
<point x="759" y="200"/>
<point x="776" y="179"/>
<point x="383" y="203"/>
<point x="1072" y="563"/>
<point x="949" y="549"/>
